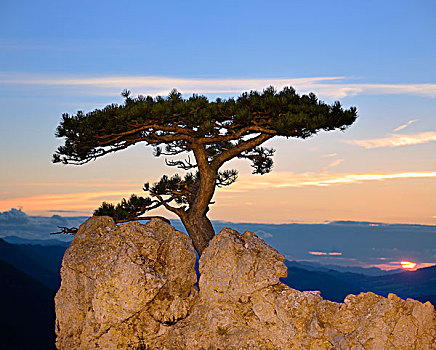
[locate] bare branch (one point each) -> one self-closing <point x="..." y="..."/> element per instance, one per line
<point x="151" y="128"/>
<point x="170" y="150"/>
<point x="66" y="230"/>
<point x="253" y="129"/>
<point x="165" y="202"/>
<point x="185" y="165"/>
<point x="240" y="147"/>
<point x="226" y="177"/>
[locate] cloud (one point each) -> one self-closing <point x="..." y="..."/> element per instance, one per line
<point x="330" y="87"/>
<point x="15" y="222"/>
<point x="331" y="165"/>
<point x="401" y="127"/>
<point x="325" y="253"/>
<point x="90" y="184"/>
<point x="287" y="179"/>
<point x="86" y="202"/>
<point x="13" y="216"/>
<point x="80" y="201"/>
<point x="396" y="140"/>
<point x="263" y="234"/>
<point x="329" y="155"/>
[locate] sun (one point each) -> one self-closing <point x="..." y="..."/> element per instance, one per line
<point x="408" y="265"/>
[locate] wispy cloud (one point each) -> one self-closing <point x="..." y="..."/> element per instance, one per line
<point x="331" y="165"/>
<point x="428" y="90"/>
<point x="401" y="127"/>
<point x="15" y="222"/>
<point x="396" y="140"/>
<point x="81" y="201"/>
<point x="156" y="85"/>
<point x="325" y="253"/>
<point x="87" y="201"/>
<point x="90" y="184"/>
<point x="288" y="180"/>
<point x="329" y="155"/>
<point x="330" y="87"/>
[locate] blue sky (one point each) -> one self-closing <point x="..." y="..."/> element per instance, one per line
<point x="58" y="56"/>
<point x="387" y="41"/>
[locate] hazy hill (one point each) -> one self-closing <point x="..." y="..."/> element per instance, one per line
<point x="314" y="266"/>
<point x="43" y="242"/>
<point x="335" y="285"/>
<point x="27" y="319"/>
<point x="353" y="243"/>
<point x="419" y="284"/>
<point x="364" y="242"/>
<point x="41" y="262"/>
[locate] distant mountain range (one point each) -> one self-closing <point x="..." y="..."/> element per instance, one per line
<point x="43" y="263"/>
<point x="27" y="311"/>
<point x="43" y="242"/>
<point x="30" y="271"/>
<point x="314" y="266"/>
<point x="343" y="243"/>
<point x="335" y="286"/>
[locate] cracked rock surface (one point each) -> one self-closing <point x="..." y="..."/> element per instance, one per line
<point x="121" y="284"/>
<point x="133" y="286"/>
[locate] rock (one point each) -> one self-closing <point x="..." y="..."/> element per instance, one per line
<point x="235" y="266"/>
<point x="133" y="287"/>
<point x="118" y="278"/>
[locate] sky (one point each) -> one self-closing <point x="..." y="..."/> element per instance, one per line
<point x="58" y="56"/>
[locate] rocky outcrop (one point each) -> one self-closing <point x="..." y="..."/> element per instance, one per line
<point x="132" y="286"/>
<point x="122" y="284"/>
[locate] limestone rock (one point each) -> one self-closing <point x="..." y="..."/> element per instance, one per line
<point x="116" y="278"/>
<point x="132" y="287"/>
<point x="234" y="266"/>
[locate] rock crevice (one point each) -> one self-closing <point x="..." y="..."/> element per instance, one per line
<point x="133" y="286"/>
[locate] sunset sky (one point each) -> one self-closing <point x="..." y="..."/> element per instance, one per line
<point x="379" y="56"/>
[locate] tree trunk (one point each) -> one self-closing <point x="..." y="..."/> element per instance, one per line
<point x="199" y="229"/>
<point x="195" y="220"/>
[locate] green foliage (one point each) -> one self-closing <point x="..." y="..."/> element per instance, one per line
<point x="126" y="209"/>
<point x="214" y="132"/>
<point x="261" y="159"/>
<point x="226" y="177"/>
<point x="174" y="122"/>
<point x="182" y="190"/>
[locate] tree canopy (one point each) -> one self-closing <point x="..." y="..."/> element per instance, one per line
<point x="212" y="132"/>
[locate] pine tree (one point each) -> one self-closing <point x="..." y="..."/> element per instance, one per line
<point x="210" y="132"/>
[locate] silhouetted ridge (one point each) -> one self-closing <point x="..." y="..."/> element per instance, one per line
<point x="27" y="320"/>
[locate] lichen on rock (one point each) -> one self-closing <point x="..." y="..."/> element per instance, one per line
<point x="122" y="283"/>
<point x="132" y="286"/>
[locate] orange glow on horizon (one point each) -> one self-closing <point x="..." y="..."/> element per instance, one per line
<point x="286" y="198"/>
<point x="408" y="265"/>
<point x="394" y="265"/>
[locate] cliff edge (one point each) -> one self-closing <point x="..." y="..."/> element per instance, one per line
<point x="133" y="286"/>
